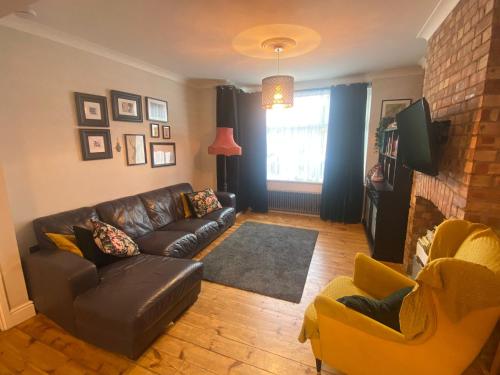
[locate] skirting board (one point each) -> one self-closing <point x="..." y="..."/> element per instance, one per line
<point x="17" y="315"/>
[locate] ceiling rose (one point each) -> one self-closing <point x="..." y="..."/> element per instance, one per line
<point x="252" y="42"/>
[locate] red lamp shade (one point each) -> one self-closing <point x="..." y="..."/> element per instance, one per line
<point x="224" y="143"/>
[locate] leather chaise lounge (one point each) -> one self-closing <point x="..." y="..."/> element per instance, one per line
<point x="125" y="305"/>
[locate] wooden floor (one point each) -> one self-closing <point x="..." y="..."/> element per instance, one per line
<point x="227" y="331"/>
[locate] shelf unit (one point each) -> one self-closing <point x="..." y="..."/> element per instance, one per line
<point x="385" y="212"/>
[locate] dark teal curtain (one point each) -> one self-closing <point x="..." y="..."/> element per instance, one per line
<point x="246" y="174"/>
<point x="342" y="192"/>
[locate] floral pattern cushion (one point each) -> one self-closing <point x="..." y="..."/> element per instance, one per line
<point x="203" y="202"/>
<point x="113" y="241"/>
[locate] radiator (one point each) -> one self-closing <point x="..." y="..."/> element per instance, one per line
<point x="303" y="203"/>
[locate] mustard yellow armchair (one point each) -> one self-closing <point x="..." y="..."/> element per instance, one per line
<point x="447" y="325"/>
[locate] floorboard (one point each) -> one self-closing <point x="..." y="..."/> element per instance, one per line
<point x="227" y="331"/>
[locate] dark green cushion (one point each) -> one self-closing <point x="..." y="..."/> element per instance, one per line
<point x="385" y="311"/>
<point x="85" y="242"/>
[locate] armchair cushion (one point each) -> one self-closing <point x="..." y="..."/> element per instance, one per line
<point x="376" y="278"/>
<point x="385" y="311"/>
<point x="338" y="287"/>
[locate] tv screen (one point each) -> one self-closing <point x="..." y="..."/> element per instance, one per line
<point x="416" y="138"/>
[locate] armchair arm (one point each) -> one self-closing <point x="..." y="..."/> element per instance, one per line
<point x="328" y="308"/>
<point x="226" y="199"/>
<point x="377" y="279"/>
<point x="55" y="278"/>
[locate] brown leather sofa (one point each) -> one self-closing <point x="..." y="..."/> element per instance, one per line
<point x="125" y="305"/>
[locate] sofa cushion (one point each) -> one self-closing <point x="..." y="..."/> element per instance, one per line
<point x="203" y="202"/>
<point x="132" y="295"/>
<point x="204" y="230"/>
<point x="62" y="223"/>
<point x="90" y="250"/>
<point x="65" y="242"/>
<point x="175" y="191"/>
<point x="225" y="217"/>
<point x="127" y="214"/>
<point x="113" y="241"/>
<point x="160" y="206"/>
<point x="176" y="244"/>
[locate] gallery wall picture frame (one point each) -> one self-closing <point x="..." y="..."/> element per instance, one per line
<point x="391" y="107"/>
<point x="91" y="110"/>
<point x="156" y="109"/>
<point x="135" y="149"/>
<point x="96" y="144"/>
<point x="126" y="106"/>
<point x="165" y="130"/>
<point x="155" y="130"/>
<point x="162" y="154"/>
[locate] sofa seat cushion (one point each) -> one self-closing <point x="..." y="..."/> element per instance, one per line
<point x="177" y="244"/>
<point x="135" y="293"/>
<point x="204" y="230"/>
<point x="225" y="217"/>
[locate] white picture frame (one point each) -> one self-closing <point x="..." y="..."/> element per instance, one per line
<point x="156" y="109"/>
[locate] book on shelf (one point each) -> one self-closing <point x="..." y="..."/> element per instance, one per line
<point x="392" y="126"/>
<point x="394" y="150"/>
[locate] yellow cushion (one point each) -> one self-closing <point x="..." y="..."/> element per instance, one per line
<point x="481" y="247"/>
<point x="185" y="205"/>
<point x="66" y="242"/>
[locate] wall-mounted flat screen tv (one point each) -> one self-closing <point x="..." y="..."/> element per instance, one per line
<point x="417" y="138"/>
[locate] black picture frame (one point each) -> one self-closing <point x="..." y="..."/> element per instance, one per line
<point x="155" y="163"/>
<point x="82" y="114"/>
<point x="129" y="153"/>
<point x="149" y="113"/>
<point x="118" y="115"/>
<point x="164" y="129"/>
<point x="90" y="152"/>
<point x="152" y="126"/>
<point x="403" y="103"/>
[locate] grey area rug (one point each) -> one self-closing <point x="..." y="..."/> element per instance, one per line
<point x="272" y="260"/>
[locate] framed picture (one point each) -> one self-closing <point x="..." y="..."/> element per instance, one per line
<point x="156" y="109"/>
<point x="135" y="147"/>
<point x="91" y="110"/>
<point x="96" y="144"/>
<point x="392" y="107"/>
<point x="162" y="154"/>
<point x="155" y="130"/>
<point x="126" y="106"/>
<point x="166" y="131"/>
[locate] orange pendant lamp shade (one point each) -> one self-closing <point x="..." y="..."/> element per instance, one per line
<point x="224" y="143"/>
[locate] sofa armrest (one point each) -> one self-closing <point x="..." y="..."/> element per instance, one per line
<point x="376" y="278"/>
<point x="329" y="309"/>
<point x="55" y="278"/>
<point x="226" y="199"/>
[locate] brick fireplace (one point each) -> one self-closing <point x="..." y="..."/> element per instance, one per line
<point x="462" y="84"/>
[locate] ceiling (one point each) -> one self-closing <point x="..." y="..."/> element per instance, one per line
<point x="194" y="38"/>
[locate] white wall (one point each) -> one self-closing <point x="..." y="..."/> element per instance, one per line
<point x="39" y="142"/>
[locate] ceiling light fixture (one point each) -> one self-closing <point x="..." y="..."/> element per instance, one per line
<point x="277" y="90"/>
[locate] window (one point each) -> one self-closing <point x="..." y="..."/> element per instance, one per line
<point x="296" y="138"/>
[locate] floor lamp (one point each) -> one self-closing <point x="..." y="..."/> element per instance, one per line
<point x="224" y="144"/>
